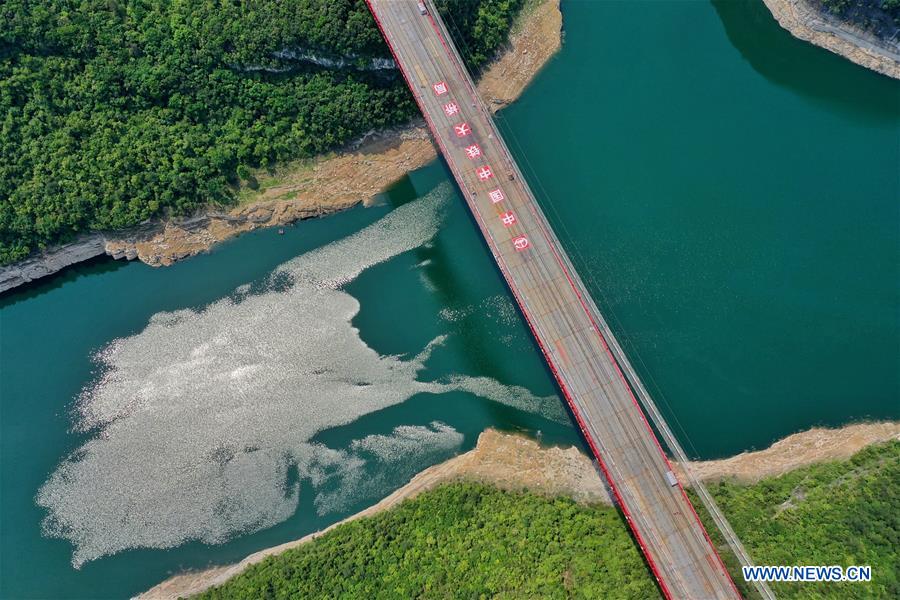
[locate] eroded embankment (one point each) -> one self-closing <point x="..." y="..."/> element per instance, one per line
<point x="807" y="23"/>
<point x="515" y="462"/>
<point x="315" y="187"/>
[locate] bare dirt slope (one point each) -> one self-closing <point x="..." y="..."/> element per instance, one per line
<point x="536" y="37"/>
<point x="798" y="450"/>
<point x="300" y="191"/>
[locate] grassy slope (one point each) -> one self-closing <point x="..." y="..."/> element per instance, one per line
<point x="471" y="540"/>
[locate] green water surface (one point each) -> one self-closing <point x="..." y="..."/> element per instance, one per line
<point x="732" y="197"/>
<point x="729" y="193"/>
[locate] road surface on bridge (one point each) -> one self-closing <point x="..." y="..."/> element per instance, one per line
<point x="555" y="304"/>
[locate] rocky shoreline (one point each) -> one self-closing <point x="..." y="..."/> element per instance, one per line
<point x="515" y="462"/>
<point x="52" y="261"/>
<point x="312" y="188"/>
<point x="806" y="22"/>
<point x="327" y="184"/>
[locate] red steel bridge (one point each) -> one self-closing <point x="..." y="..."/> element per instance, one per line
<point x="599" y="384"/>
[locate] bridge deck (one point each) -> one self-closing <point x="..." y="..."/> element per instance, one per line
<point x="555" y="304"/>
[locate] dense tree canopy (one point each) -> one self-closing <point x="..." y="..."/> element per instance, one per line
<point x="116" y="111"/>
<point x="478" y="28"/>
<point x="880" y="18"/>
<point x="841" y="7"/>
<point x="461" y="541"/>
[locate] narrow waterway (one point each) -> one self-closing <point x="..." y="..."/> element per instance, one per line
<point x="730" y="194"/>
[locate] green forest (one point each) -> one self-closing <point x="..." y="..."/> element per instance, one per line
<point x="468" y="540"/>
<point x="841" y="7"/>
<point x="118" y="111"/>
<point x="463" y="540"/>
<point x="880" y="18"/>
<point x="840" y="513"/>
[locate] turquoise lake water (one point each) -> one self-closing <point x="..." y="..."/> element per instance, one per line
<point x="729" y="193"/>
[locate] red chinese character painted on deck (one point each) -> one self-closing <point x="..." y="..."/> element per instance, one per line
<point x="462" y="130"/>
<point x="520" y="243"/>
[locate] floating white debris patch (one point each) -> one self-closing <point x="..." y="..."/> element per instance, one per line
<point x="407" y="450"/>
<point x="201" y="418"/>
<point x="408" y="439"/>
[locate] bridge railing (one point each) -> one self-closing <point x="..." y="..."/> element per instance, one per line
<point x="646" y="401"/>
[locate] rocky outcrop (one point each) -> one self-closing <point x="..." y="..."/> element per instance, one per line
<point x="161" y="243"/>
<point x="806" y="22"/>
<point x="51" y="261"/>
